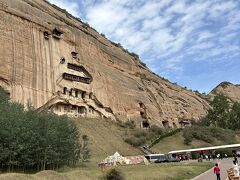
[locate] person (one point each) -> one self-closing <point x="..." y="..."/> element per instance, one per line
<point x="235" y="169"/>
<point x="235" y="159"/>
<point x="217" y="171"/>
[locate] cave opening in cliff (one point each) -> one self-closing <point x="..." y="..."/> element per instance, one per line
<point x="91" y="95"/>
<point x="143" y="114"/>
<point x="82" y="110"/>
<point x="76" y="93"/>
<point x="62" y="60"/>
<point x="74" y="54"/>
<point x="165" y="124"/>
<point x="57" y="34"/>
<point x="64" y="90"/>
<point x="74" y="108"/>
<point x="145" y="124"/>
<point x="141" y="105"/>
<point x="46" y="34"/>
<point x="174" y="125"/>
<point x="84" y="94"/>
<point x="70" y="92"/>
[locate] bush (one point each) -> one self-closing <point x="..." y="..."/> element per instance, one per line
<point x="136" y="142"/>
<point x="187" y="136"/>
<point x="128" y="124"/>
<point x="156" y="129"/>
<point x="139" y="133"/>
<point x="114" y="174"/>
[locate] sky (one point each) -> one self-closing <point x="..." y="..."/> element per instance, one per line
<point x="195" y="43"/>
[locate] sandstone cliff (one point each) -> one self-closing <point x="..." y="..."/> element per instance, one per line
<point x="231" y="91"/>
<point x="55" y="61"/>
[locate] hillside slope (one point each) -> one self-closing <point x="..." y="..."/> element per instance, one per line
<point x="105" y="137"/>
<point x="176" y="142"/>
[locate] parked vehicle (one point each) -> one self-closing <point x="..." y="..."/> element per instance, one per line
<point x="153" y="157"/>
<point x="167" y="158"/>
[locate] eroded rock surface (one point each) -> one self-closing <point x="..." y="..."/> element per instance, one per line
<point x="231" y="91"/>
<point x="55" y="61"/>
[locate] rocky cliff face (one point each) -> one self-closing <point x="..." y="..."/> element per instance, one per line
<point x="55" y="61"/>
<point x="231" y="91"/>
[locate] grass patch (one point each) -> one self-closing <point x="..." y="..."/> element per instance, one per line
<point x="209" y="134"/>
<point x="105" y="137"/>
<point x="176" y="142"/>
<point x="172" y="171"/>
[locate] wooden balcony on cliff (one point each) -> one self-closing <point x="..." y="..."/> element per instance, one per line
<point x="72" y="77"/>
<point x="79" y="69"/>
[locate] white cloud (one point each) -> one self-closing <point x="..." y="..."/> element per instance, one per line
<point x="166" y="33"/>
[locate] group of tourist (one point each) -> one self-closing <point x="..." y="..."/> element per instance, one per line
<point x="235" y="167"/>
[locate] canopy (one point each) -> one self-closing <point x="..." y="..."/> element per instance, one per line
<point x="115" y="159"/>
<point x="205" y="148"/>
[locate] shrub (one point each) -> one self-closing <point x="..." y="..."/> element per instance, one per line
<point x="139" y="133"/>
<point x="187" y="136"/>
<point x="114" y="174"/>
<point x="136" y="142"/>
<point x="128" y="124"/>
<point x="156" y="129"/>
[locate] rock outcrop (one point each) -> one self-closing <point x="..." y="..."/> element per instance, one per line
<point x="231" y="91"/>
<point x="55" y="61"/>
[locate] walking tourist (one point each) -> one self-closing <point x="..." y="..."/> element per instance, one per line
<point x="217" y="171"/>
<point x="235" y="169"/>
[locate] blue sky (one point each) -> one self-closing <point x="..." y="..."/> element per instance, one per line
<point x="195" y="43"/>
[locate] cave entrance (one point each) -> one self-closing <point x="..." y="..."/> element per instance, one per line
<point x="141" y="105"/>
<point x="57" y="33"/>
<point x="74" y="54"/>
<point x="91" y="95"/>
<point x="64" y="90"/>
<point x="145" y="124"/>
<point x="143" y="114"/>
<point x="82" y="110"/>
<point x="165" y="124"/>
<point x="84" y="94"/>
<point x="174" y="125"/>
<point x="46" y="34"/>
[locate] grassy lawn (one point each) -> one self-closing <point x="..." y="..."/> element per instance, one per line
<point x="174" y="171"/>
<point x="105" y="139"/>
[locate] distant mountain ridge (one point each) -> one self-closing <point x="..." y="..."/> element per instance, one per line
<point x="228" y="89"/>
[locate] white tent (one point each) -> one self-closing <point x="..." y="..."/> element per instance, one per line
<point x="115" y="159"/>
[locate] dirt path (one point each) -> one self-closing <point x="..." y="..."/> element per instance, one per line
<point x="208" y="175"/>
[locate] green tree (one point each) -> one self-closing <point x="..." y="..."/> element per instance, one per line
<point x="37" y="141"/>
<point x="218" y="115"/>
<point x="234" y="117"/>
